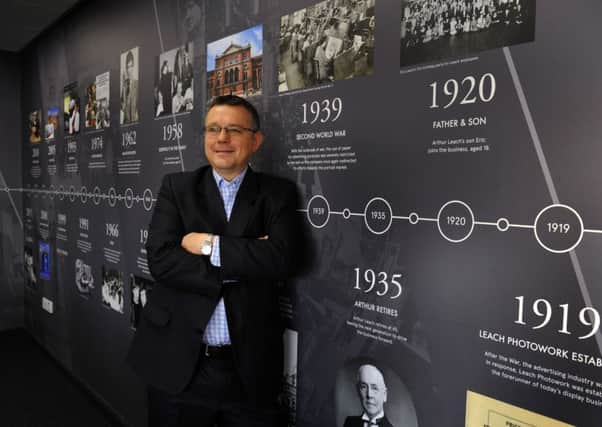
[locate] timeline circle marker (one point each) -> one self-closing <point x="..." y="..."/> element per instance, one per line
<point x="83" y="194"/>
<point x="503" y="224"/>
<point x="61" y="192"/>
<point x="558" y="228"/>
<point x="129" y="198"/>
<point x="346" y="213"/>
<point x="43" y="191"/>
<point x="318" y="211"/>
<point x="413" y="218"/>
<point x="96" y="197"/>
<point x="455" y="221"/>
<point x="72" y="195"/>
<point x="51" y="192"/>
<point x="147" y="199"/>
<point x="378" y="215"/>
<point x="112" y="197"/>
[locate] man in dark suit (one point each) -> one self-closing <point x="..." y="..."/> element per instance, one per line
<point x="372" y="392"/>
<point x="209" y="342"/>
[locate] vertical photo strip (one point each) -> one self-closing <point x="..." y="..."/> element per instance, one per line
<point x="44" y="252"/>
<point x="84" y="280"/>
<point x="128" y="89"/>
<point x="34" y="124"/>
<point x="235" y="64"/>
<point x="71" y="107"/>
<point x="433" y="30"/>
<point x="331" y="40"/>
<point x="174" y="82"/>
<point x="289" y="385"/>
<point x="140" y="290"/>
<point x="112" y="289"/>
<point x="31" y="278"/>
<point x="52" y="124"/>
<point x="97" y="103"/>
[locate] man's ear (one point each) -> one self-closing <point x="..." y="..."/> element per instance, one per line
<point x="385" y="397"/>
<point x="258" y="140"/>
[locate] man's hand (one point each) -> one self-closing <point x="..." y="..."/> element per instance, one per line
<point x="192" y="242"/>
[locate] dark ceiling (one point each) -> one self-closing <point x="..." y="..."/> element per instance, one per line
<point x="22" y="20"/>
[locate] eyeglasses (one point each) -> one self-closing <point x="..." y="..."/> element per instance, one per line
<point x="232" y="131"/>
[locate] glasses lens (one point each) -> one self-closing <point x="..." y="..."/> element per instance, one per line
<point x="234" y="130"/>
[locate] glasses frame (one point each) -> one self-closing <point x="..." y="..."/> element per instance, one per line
<point x="228" y="129"/>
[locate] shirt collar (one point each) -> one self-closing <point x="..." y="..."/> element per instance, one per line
<point x="234" y="182"/>
<point x="378" y="416"/>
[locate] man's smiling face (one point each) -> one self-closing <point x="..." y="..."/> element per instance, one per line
<point x="229" y="152"/>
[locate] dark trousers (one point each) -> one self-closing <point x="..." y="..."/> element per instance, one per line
<point x="215" y="397"/>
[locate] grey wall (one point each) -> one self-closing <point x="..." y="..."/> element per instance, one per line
<point x="11" y="235"/>
<point x="540" y="138"/>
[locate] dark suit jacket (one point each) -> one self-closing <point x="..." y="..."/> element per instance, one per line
<point x="356" y="421"/>
<point x="167" y="343"/>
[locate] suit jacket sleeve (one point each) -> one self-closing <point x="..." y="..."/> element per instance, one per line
<point x="169" y="263"/>
<point x="249" y="258"/>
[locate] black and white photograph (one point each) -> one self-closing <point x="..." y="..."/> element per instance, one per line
<point x="191" y="17"/>
<point x="174" y="90"/>
<point x="140" y="289"/>
<point x="433" y="30"/>
<point x="128" y="86"/>
<point x="30" y="268"/>
<point x="369" y="392"/>
<point x="71" y="108"/>
<point x="97" y="103"/>
<point x="112" y="289"/>
<point x="84" y="280"/>
<point x="235" y="64"/>
<point x="291" y="357"/>
<point x="331" y="40"/>
<point x="35" y="123"/>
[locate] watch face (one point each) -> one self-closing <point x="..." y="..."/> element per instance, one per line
<point x="206" y="247"/>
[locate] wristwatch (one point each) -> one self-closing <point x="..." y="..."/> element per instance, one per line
<point x="207" y="245"/>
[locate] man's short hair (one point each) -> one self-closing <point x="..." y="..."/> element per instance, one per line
<point x="237" y="101"/>
<point x="369" y="365"/>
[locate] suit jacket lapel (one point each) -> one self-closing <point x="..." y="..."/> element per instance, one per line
<point x="243" y="205"/>
<point x="210" y="203"/>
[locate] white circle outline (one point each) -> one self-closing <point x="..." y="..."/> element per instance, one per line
<point x="125" y="198"/>
<point x="112" y="197"/>
<point x="318" y="196"/>
<point x="61" y="192"/>
<point x="374" y="199"/>
<point x="413" y="218"/>
<point x="84" y="194"/>
<point x="558" y="205"/>
<point x="51" y="192"/>
<point x="439" y="221"/>
<point x="72" y="196"/>
<point x="150" y="197"/>
<point x="96" y="196"/>
<point x="499" y="226"/>
<point x="346" y="213"/>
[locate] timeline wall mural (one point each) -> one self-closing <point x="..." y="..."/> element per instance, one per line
<point x="447" y="153"/>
